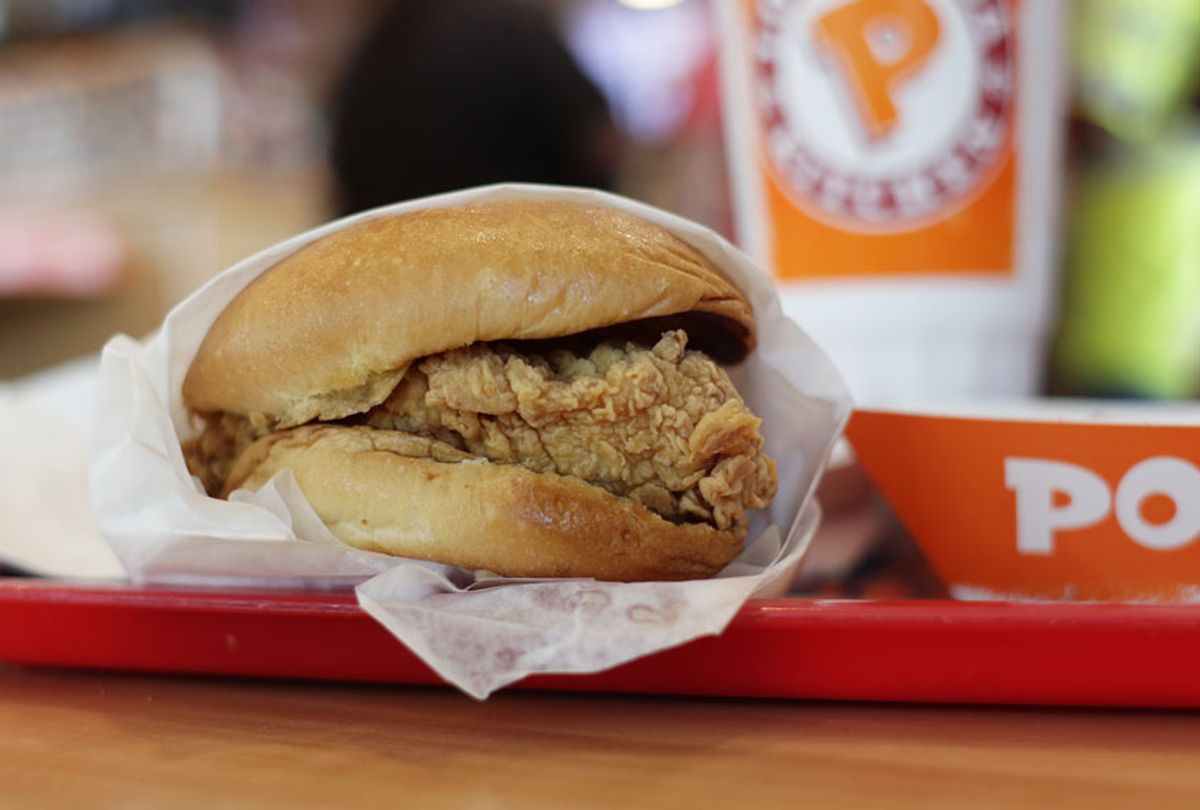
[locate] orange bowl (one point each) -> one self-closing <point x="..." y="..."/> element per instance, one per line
<point x="1053" y="501"/>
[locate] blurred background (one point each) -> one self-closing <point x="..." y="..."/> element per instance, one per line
<point x="145" y="145"/>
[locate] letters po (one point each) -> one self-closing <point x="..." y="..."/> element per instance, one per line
<point x="1089" y="500"/>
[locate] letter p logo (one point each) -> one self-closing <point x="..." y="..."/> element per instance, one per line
<point x="877" y="43"/>
<point x="1039" y="518"/>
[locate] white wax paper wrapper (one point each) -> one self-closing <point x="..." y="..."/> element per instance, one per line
<point x="479" y="635"/>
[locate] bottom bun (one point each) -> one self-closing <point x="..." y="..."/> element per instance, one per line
<point x="392" y="492"/>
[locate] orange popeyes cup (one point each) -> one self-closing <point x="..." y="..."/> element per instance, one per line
<point x="1050" y="501"/>
<point x="895" y="163"/>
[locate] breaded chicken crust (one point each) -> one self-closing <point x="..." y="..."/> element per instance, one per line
<point x="662" y="425"/>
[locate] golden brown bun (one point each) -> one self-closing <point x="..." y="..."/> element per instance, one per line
<point x="387" y="491"/>
<point x="329" y="331"/>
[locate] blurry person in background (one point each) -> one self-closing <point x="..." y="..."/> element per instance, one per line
<point x="447" y="94"/>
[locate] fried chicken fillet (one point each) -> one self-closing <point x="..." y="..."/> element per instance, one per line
<point x="662" y="425"/>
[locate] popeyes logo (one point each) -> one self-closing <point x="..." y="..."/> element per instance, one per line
<point x="1043" y="507"/>
<point x="881" y="115"/>
<point x="1156" y="503"/>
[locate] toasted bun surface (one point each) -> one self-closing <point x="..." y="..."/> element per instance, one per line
<point x="382" y="490"/>
<point x="330" y="330"/>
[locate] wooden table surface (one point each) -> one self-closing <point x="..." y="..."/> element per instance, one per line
<point x="74" y="739"/>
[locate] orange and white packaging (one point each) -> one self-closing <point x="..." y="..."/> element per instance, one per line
<point x="479" y="634"/>
<point x="895" y="164"/>
<point x="1051" y="501"/>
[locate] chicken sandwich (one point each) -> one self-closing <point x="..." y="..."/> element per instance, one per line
<point x="530" y="388"/>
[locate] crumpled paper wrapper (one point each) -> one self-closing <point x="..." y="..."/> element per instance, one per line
<point x="479" y="634"/>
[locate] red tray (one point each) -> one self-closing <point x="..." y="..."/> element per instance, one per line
<point x="927" y="651"/>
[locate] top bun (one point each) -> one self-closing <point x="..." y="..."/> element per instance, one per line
<point x="329" y="330"/>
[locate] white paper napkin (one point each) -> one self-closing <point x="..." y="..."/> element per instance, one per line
<point x="46" y="526"/>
